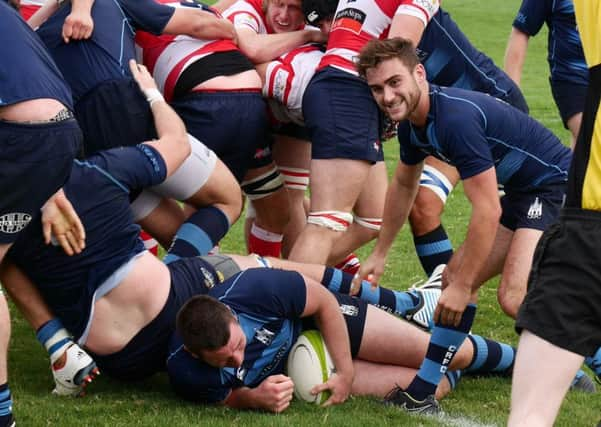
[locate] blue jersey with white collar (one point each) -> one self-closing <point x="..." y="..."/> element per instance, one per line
<point x="268" y="304"/>
<point x="565" y="55"/>
<point x="99" y="190"/>
<point x="26" y="69"/>
<point x="104" y="56"/>
<point x="474" y="132"/>
<point x="451" y="60"/>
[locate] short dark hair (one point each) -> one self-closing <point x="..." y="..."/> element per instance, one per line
<point x="377" y="51"/>
<point x="204" y="324"/>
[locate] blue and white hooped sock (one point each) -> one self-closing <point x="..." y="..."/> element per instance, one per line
<point x="490" y="357"/>
<point x="444" y="343"/>
<point x="198" y="235"/>
<point x="396" y="302"/>
<point x="433" y="248"/>
<point x="55" y="338"/>
<point x="6" y="405"/>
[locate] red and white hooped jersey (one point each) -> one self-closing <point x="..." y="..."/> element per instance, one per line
<point x="29" y="7"/>
<point x="168" y="56"/>
<point x="358" y="21"/>
<point x="248" y="14"/>
<point x="286" y="79"/>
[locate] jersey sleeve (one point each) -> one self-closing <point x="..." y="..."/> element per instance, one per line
<point x="424" y="10"/>
<point x="147" y="15"/>
<point x="531" y="16"/>
<point x="268" y="292"/>
<point x="465" y="144"/>
<point x="132" y="167"/>
<point x="193" y="379"/>
<point x="244" y="19"/>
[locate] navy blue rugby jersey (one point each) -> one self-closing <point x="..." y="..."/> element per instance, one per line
<point x="475" y="131"/>
<point x="27" y="71"/>
<point x="105" y="56"/>
<point x="99" y="190"/>
<point x="268" y="304"/>
<point x="565" y="54"/>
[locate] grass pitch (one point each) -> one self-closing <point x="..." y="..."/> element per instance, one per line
<point x="476" y="402"/>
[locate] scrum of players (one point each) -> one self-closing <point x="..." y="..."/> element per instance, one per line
<point x="171" y="116"/>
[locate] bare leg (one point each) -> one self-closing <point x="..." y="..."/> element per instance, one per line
<point x="163" y="222"/>
<point x="293" y="155"/>
<point x="370" y="205"/>
<point x="540" y="383"/>
<point x="335" y="186"/>
<point x="376" y="379"/>
<point x="516" y="269"/>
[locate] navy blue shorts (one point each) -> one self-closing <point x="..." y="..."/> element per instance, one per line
<point x="146" y="353"/>
<point x="231" y="123"/>
<point x="35" y="161"/>
<point x="563" y="304"/>
<point x="114" y="114"/>
<point x="354" y="311"/>
<point x="537" y="209"/>
<point x="342" y="117"/>
<point x="569" y="98"/>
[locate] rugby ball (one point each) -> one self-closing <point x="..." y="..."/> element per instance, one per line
<point x="309" y="363"/>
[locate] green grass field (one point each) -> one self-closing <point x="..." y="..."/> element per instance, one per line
<point x="475" y="402"/>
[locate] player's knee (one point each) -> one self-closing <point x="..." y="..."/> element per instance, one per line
<point x="509" y="301"/>
<point x="331" y="220"/>
<point x="263" y="185"/>
<point x="425" y="212"/>
<point x="370" y="227"/>
<point x="434" y="188"/>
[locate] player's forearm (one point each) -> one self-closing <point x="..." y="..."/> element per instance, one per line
<point x="333" y="329"/>
<point x="477" y="246"/>
<point x="399" y="200"/>
<point x="515" y="55"/>
<point x="43" y="13"/>
<point x="244" y="398"/>
<point x="199" y="24"/>
<point x="261" y="48"/>
<point x="82" y="6"/>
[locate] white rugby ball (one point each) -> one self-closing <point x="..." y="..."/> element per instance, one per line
<point x="309" y="364"/>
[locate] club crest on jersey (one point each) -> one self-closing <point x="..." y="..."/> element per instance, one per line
<point x="241" y="373"/>
<point x="12" y="223"/>
<point x="280" y="80"/>
<point x="536" y="210"/>
<point x="264" y="336"/>
<point x="349" y="310"/>
<point x="349" y="19"/>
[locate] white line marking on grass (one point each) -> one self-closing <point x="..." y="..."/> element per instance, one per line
<point x="449" y="420"/>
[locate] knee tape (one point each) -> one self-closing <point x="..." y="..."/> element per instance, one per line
<point x="263" y="185"/>
<point x="192" y="174"/>
<point x="295" y="178"/>
<point x="371" y="223"/>
<point x="436" y="181"/>
<point x="144" y="204"/>
<point x="334" y="220"/>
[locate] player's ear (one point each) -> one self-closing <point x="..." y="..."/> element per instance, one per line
<point x="419" y="72"/>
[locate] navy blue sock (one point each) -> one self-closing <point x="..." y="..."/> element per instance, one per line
<point x="396" y="302"/>
<point x="490" y="357"/>
<point x="198" y="234"/>
<point x="6" y="405"/>
<point x="433" y="248"/>
<point x="444" y="343"/>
